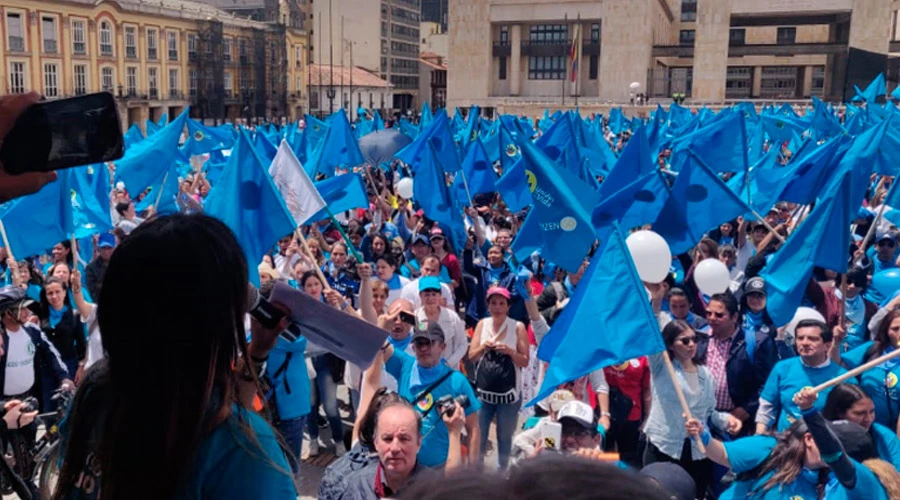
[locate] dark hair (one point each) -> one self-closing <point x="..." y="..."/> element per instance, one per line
<point x="671" y="332"/>
<point x="882" y="340"/>
<point x="70" y="258"/>
<point x="382" y="397"/>
<point x="858" y="277"/>
<point x="827" y="334"/>
<point x="358" y="231"/>
<point x="840" y="399"/>
<point x="122" y="207"/>
<point x="388" y="259"/>
<point x="745" y="309"/>
<point x="432" y="256"/>
<point x="727" y="300"/>
<point x="310" y="274"/>
<point x="379" y="236"/>
<point x="126" y="419"/>
<point x="34" y="277"/>
<point x="786" y="459"/>
<point x="677" y="292"/>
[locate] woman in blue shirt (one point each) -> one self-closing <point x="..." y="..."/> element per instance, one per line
<point x="849" y="402"/>
<point x="168" y="413"/>
<point x="386" y="269"/>
<point x="880" y="382"/>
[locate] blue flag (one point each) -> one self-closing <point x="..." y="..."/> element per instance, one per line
<point x="337" y="151"/>
<point x="148" y="161"/>
<point x="513" y="187"/>
<point x="341" y="193"/>
<point x="202" y="139"/>
<point x="721" y="144"/>
<point x="636" y="160"/>
<point x="634" y="205"/>
<point x="152" y="128"/>
<point x="562" y="204"/>
<point x="133" y="136"/>
<point x="477" y="168"/>
<point x="265" y="149"/>
<point x="876" y="88"/>
<point x="699" y="202"/>
<point x="38" y="221"/>
<point x="440" y="139"/>
<point x="90" y="200"/>
<point x="431" y="192"/>
<point x="607" y="321"/>
<point x="248" y="202"/>
<point x="425" y="116"/>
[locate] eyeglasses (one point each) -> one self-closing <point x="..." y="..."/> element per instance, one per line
<point x="576" y="432"/>
<point x="886" y="243"/>
<point x="688" y="340"/>
<point x="715" y="314"/>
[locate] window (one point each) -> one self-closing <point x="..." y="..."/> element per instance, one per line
<point x="779" y="82"/>
<point x="228" y="85"/>
<point x="245" y="81"/>
<point x="738" y="82"/>
<point x="107" y="79"/>
<point x="51" y="80"/>
<point x="48" y="31"/>
<point x="548" y="34"/>
<point x="502" y="68"/>
<point x="106" y="38"/>
<point x="172" y="37"/>
<point x="593" y="67"/>
<point x="688" y="10"/>
<point x="131" y="42"/>
<point x="15" y="34"/>
<point x="546" y="67"/>
<point x="242" y="49"/>
<point x="153" y="82"/>
<point x="595" y="33"/>
<point x="208" y="47"/>
<point x="818" y="81"/>
<point x="17" y="77"/>
<point x="79" y="46"/>
<point x="786" y="36"/>
<point x="192" y="77"/>
<point x="298" y="55"/>
<point x="131" y="81"/>
<point x="504" y="35"/>
<point x="79" y="71"/>
<point x="686" y="37"/>
<point x="173" y="84"/>
<point x="226" y="49"/>
<point x="151" y="43"/>
<point x="192" y="46"/>
<point x="736" y="36"/>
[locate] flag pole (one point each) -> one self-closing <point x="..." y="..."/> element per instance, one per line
<point x="9" y="253"/>
<point x="466" y="184"/>
<point x="678" y="392"/>
<point x="856" y="371"/>
<point x="159" y="196"/>
<point x="566" y="66"/>
<point x="344" y="236"/>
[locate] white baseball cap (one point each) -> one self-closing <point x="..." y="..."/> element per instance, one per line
<point x="579" y="412"/>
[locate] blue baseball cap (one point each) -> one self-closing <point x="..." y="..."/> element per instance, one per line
<point x="421" y="238"/>
<point x="429" y="283"/>
<point x="106" y="240"/>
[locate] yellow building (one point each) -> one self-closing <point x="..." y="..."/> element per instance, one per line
<point x="156" y="57"/>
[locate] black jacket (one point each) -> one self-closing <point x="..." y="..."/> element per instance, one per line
<point x="46" y="359"/>
<point x="742" y="384"/>
<point x="67" y="337"/>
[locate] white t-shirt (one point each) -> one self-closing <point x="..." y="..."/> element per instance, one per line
<point x="411" y="293"/>
<point x="95" y="343"/>
<point x="19" y="363"/>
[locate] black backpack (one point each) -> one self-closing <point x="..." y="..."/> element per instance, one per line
<point x="495" y="378"/>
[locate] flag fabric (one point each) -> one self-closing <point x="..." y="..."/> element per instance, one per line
<point x="90" y="200"/>
<point x="36" y="222"/>
<point x="264" y="148"/>
<point x="562" y="204"/>
<point x="573" y="56"/>
<point x="478" y="170"/>
<point x="876" y="89"/>
<point x="148" y="161"/>
<point x="296" y="188"/>
<point x="133" y="136"/>
<point x="341" y="193"/>
<point x="634" y="205"/>
<point x="635" y="161"/>
<point x="247" y="201"/>
<point x="152" y="128"/>
<point x="607" y="321"/>
<point x="202" y="139"/>
<point x="721" y="144"/>
<point x="437" y="136"/>
<point x="337" y="151"/>
<point x="699" y="202"/>
<point x="513" y="187"/>
<point x="433" y="195"/>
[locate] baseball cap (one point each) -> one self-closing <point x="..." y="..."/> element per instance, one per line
<point x="755" y="285"/>
<point x="855" y="440"/>
<point x="556" y="400"/>
<point x="437" y="233"/>
<point x="672" y="479"/>
<point x="497" y="290"/>
<point x="578" y="412"/>
<point x="884" y="236"/>
<point x="421" y="238"/>
<point x="429" y="330"/>
<point x="106" y="240"/>
<point x="429" y="283"/>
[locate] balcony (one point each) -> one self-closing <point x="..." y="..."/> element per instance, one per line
<point x="79" y="48"/>
<point x="546" y="48"/>
<point x="152" y="54"/>
<point x="502" y="49"/>
<point x="16" y="44"/>
<point x="175" y="94"/>
<point x="131" y="52"/>
<point x="787" y="50"/>
<point x="50" y="46"/>
<point x="673" y="50"/>
<point x="173" y="55"/>
<point x="154" y="93"/>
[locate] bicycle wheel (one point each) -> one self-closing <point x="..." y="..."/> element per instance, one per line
<point x="48" y="471"/>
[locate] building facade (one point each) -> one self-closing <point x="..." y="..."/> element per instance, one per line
<point x="334" y="87"/>
<point x="156" y="58"/>
<point x="435" y="11"/>
<point x="380" y="36"/>
<point x="505" y="52"/>
<point x="433" y="53"/>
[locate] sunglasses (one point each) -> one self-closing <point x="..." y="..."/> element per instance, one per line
<point x="719" y="315"/>
<point x="688" y="340"/>
<point x="886" y="243"/>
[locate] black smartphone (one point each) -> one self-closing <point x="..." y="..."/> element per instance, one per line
<point x="64" y="133"/>
<point x="408" y="318"/>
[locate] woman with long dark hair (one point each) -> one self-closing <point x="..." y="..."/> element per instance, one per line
<point x="168" y="413"/>
<point x="849" y="402"/>
<point x="61" y="325"/>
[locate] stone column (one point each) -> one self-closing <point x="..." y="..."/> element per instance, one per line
<point x="514" y="70"/>
<point x="711" y="50"/>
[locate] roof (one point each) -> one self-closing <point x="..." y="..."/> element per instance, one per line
<point x="236" y="4"/>
<point x="433" y="60"/>
<point x="320" y="74"/>
<point x="185" y="9"/>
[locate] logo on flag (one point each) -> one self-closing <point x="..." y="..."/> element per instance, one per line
<point x="890" y="381"/>
<point x="511" y="150"/>
<point x="532" y="180"/>
<point x="568" y="224"/>
<point x="198" y="136"/>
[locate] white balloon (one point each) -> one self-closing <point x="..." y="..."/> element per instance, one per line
<point x="801" y="314"/>
<point x="651" y="255"/>
<point x="711" y="276"/>
<point x="405" y="188"/>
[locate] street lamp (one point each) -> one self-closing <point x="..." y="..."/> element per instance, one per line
<point x="330" y="93"/>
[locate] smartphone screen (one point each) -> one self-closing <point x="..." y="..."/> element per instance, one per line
<point x="551" y="435"/>
<point x="64" y="133"/>
<point x="408" y="318"/>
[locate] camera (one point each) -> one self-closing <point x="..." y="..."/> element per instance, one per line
<point x="444" y="404"/>
<point x="29" y="405"/>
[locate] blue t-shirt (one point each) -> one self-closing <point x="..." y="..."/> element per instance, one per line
<point x="887" y="444"/>
<point x="804" y="487"/>
<point x="880" y="383"/>
<point x="494" y="274"/>
<point x="444" y="276"/>
<point x="867" y="487"/>
<point x="787" y="378"/>
<point x="413" y="379"/>
<point x="746" y="454"/>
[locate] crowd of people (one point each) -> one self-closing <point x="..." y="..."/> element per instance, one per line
<point x="181" y="394"/>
